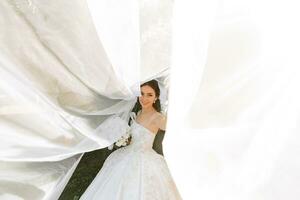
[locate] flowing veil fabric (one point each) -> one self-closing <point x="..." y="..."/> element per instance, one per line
<point x="235" y="112"/>
<point x="69" y="72"/>
<point x="62" y="75"/>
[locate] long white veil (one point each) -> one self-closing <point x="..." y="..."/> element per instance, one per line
<point x="234" y="115"/>
<point x="64" y="70"/>
<point x="232" y="91"/>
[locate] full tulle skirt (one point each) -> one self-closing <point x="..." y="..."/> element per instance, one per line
<point x="133" y="174"/>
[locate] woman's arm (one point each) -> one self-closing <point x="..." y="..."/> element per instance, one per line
<point x="162" y="122"/>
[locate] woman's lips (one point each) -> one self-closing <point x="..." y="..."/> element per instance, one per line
<point x="145" y="103"/>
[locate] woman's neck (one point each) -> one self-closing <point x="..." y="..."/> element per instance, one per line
<point x="147" y="110"/>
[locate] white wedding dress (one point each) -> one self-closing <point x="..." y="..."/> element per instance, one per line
<point x="134" y="172"/>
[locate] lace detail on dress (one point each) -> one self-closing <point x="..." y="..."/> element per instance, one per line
<point x="134" y="172"/>
<point x="142" y="139"/>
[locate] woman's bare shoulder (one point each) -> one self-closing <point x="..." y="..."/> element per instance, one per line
<point x="161" y="120"/>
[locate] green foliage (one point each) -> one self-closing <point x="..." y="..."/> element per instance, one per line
<point x="84" y="174"/>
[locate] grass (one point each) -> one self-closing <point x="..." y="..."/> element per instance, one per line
<point x="87" y="169"/>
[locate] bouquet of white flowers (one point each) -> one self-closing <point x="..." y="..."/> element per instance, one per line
<point x="124" y="140"/>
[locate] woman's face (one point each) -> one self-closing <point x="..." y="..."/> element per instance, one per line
<point x="147" y="97"/>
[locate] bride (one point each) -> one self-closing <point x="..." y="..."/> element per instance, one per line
<point x="136" y="171"/>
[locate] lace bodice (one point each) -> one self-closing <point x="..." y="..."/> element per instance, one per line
<point x="142" y="138"/>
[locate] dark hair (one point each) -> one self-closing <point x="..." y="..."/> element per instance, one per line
<point x="154" y="85"/>
<point x="137" y="107"/>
